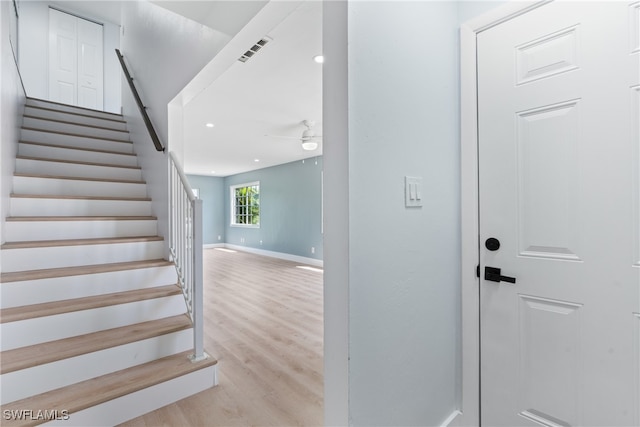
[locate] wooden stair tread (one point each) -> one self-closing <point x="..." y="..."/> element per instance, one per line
<point x="124" y="141"/>
<point x="95" y="391"/>
<point x="47" y="119"/>
<point x="76" y="178"/>
<point x="78" y="242"/>
<point x="51" y="196"/>
<point x="14" y="314"/>
<point x="69" y="105"/>
<point x="76" y="162"/>
<point x="52" y="351"/>
<point x="50" y="273"/>
<point x="116" y="117"/>
<point x="79" y="218"/>
<point x="71" y="147"/>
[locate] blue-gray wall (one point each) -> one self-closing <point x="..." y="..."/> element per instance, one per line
<point x="290" y="209"/>
<point x="212" y="195"/>
<point x="404" y="262"/>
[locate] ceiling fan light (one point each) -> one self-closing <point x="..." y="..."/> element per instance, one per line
<point x="309" y="145"/>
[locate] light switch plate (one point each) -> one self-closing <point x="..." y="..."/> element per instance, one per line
<point x="412" y="191"/>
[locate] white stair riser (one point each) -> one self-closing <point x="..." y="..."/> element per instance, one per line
<point x="74" y="187"/>
<point x="22" y="231"/>
<point x="40" y="379"/>
<point x="49" y="125"/>
<point x="25" y="292"/>
<point x="50" y="328"/>
<point x="32" y="150"/>
<point x="70" y="108"/>
<point x="133" y="405"/>
<point x="75" y="141"/>
<point x="43" y="167"/>
<point x="69" y="117"/>
<point x="74" y="256"/>
<point x="21" y="206"/>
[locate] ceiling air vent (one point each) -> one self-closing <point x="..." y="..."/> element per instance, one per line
<point x="254" y="49"/>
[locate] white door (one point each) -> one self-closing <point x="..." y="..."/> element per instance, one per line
<point x="89" y="65"/>
<point x="559" y="173"/>
<point x="75" y="61"/>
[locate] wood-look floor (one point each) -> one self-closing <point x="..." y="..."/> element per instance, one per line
<point x="263" y="323"/>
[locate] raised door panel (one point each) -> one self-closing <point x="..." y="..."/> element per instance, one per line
<point x="550" y="361"/>
<point x="548" y="179"/>
<point x="90" y="65"/>
<point x="635" y="141"/>
<point x="634" y="27"/>
<point x="547" y="56"/>
<point x="63" y="61"/>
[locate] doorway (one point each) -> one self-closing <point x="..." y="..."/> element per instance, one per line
<point x="75" y="60"/>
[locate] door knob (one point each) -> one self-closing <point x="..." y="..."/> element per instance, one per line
<point x="493" y="274"/>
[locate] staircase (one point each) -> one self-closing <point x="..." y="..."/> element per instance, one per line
<point x="94" y="329"/>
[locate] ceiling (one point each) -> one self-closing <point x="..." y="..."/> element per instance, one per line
<point x="270" y="94"/>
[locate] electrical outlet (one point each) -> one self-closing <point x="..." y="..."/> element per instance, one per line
<point x="260" y="242"/>
<point x="313" y="250"/>
<point x="219" y="237"/>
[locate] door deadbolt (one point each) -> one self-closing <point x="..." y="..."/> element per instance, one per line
<point x="492" y="244"/>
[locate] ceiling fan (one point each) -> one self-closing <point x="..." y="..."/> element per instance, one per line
<point x="308" y="139"/>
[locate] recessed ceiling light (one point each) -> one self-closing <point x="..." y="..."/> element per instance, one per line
<point x="256" y="160"/>
<point x="319" y="59"/>
<point x="209" y="125"/>
<point x="213" y="171"/>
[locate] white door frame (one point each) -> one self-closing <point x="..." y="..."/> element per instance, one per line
<point x="470" y="396"/>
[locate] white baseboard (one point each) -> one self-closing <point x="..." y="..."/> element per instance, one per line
<point x="453" y="420"/>
<point x="280" y="255"/>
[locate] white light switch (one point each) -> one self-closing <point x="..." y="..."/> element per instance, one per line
<point x="413" y="191"/>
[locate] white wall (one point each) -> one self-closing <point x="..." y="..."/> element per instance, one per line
<point x="34" y="53"/>
<point x="469" y="9"/>
<point x="163" y="52"/>
<point x="34" y="47"/>
<point x="11" y="107"/>
<point x="335" y="130"/>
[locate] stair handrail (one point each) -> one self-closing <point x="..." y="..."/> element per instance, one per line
<point x="185" y="248"/>
<point x="141" y="107"/>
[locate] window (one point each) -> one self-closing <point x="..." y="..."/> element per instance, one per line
<point x="245" y="205"/>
